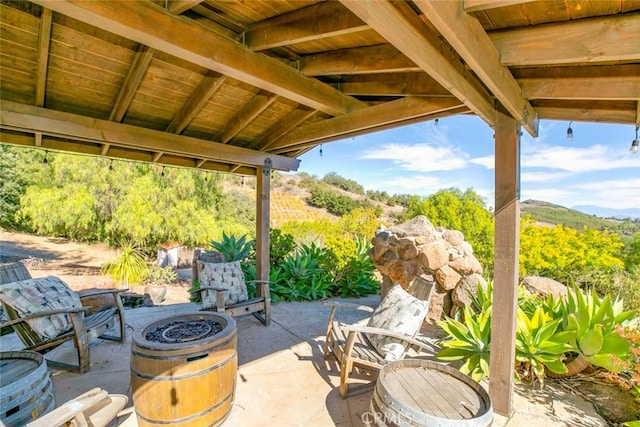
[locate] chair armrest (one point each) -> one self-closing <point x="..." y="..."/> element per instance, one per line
<point x="71" y="409"/>
<point x="348" y="305"/>
<point x="210" y="288"/>
<point x="385" y="332"/>
<point x="44" y="314"/>
<point x="97" y="292"/>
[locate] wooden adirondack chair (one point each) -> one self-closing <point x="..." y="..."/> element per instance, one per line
<point x="224" y="290"/>
<point x="87" y="322"/>
<point x="388" y="335"/>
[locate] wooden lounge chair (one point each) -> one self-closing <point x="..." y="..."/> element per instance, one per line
<point x="224" y="290"/>
<point x="45" y="313"/>
<point x="388" y="335"/>
<point x="95" y="408"/>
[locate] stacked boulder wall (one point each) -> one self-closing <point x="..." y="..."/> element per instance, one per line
<point x="418" y="249"/>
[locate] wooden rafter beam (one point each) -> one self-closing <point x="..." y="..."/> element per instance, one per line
<point x="403" y="84"/>
<point x="25" y="118"/>
<point x="362" y="120"/>
<point x="44" y="41"/>
<point x="197" y="100"/>
<point x="622" y="112"/>
<point x="245" y="115"/>
<point x="479" y="5"/>
<point x="151" y="25"/>
<point x="359" y="60"/>
<point x="470" y="41"/>
<point x="613" y="38"/>
<point x="400" y="25"/>
<point x="619" y="82"/>
<point x="314" y="22"/>
<point x="283" y="126"/>
<point x="178" y="6"/>
<point x="137" y="70"/>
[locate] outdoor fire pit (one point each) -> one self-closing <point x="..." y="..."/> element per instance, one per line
<point x="183" y="370"/>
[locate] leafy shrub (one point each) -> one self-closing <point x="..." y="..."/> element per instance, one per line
<point x="337" y="204"/>
<point x="345" y="184"/>
<point x="353" y="269"/>
<point x="281" y="244"/>
<point x="128" y="267"/>
<point x="157" y="275"/>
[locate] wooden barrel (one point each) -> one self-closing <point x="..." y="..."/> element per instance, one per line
<point x="189" y="383"/>
<point x="26" y="391"/>
<point x="416" y="392"/>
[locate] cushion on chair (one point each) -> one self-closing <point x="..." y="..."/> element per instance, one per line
<point x="42" y="294"/>
<point x="226" y="275"/>
<point x="397" y="312"/>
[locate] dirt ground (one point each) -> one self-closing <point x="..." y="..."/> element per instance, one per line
<point x="77" y="264"/>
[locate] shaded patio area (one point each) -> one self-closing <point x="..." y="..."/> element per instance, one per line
<point x="282" y="377"/>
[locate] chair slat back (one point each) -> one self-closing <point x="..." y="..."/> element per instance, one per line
<point x="14" y="272"/>
<point x="421" y="288"/>
<point x="200" y="255"/>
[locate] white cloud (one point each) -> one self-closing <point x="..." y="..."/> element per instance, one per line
<point x="486" y="161"/>
<point x="529" y="177"/>
<point x="579" y="160"/>
<point x="616" y="194"/>
<point x="419" y="157"/>
<point x="417" y="184"/>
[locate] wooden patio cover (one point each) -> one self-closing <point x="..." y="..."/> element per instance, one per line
<point x="248" y="86"/>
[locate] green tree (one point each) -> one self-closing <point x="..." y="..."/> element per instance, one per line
<point x="457" y="210"/>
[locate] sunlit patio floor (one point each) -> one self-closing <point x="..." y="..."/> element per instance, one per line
<point x="283" y="379"/>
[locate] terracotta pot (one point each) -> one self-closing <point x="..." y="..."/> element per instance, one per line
<point x="156" y="293"/>
<point x="575" y="365"/>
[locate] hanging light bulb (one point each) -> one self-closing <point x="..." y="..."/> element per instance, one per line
<point x="569" y="132"/>
<point x="242" y="181"/>
<point x="320" y="150"/>
<point x="162" y="174"/>
<point x="436" y="121"/>
<point x="635" y="143"/>
<point x="45" y="161"/>
<point x="111" y="165"/>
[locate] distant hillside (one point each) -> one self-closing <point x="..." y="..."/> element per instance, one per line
<point x="633" y="213"/>
<point x="549" y="213"/>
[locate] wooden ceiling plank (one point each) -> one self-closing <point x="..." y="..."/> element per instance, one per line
<point x="25" y="118"/>
<point x="44" y="41"/>
<point x="245" y="115"/>
<point x="178" y="6"/>
<point x="359" y="60"/>
<point x="313" y="22"/>
<point x="403" y="84"/>
<point x="282" y="127"/>
<point x="620" y="88"/>
<point x="621" y="112"/>
<point x="402" y="28"/>
<point x="480" y="5"/>
<point x="613" y="38"/>
<point x="138" y="69"/>
<point x="197" y="100"/>
<point x="470" y="41"/>
<point x="149" y="24"/>
<point x="372" y="117"/>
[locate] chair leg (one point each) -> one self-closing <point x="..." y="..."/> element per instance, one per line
<point x="81" y="341"/>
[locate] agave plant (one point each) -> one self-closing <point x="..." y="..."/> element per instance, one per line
<point x="594" y="320"/>
<point x="233" y="249"/>
<point x="540" y="343"/>
<point x="469" y="341"/>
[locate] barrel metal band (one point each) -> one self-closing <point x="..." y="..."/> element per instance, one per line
<point x="190" y="417"/>
<point x="179" y="356"/>
<point x="178" y="377"/>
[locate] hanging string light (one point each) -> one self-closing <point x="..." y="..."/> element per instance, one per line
<point x="45" y="161"/>
<point x="162" y="173"/>
<point x="320" y="150"/>
<point x="635" y="143"/>
<point x="569" y="132"/>
<point x="111" y="165"/>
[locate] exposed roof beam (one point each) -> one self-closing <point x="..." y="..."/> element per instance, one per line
<point x="470" y="41"/>
<point x="314" y="22"/>
<point x="399" y="24"/>
<point x="615" y="38"/>
<point x="405" y="84"/>
<point x="197" y="100"/>
<point x="44" y="40"/>
<point x="25" y="118"/>
<point x="131" y="83"/>
<point x="247" y="113"/>
<point x="372" y="117"/>
<point x="284" y="126"/>
<point x="479" y="5"/>
<point x="382" y="58"/>
<point x="178" y="37"/>
<point x="623" y="112"/>
<point x="620" y="82"/>
<point x="178" y="6"/>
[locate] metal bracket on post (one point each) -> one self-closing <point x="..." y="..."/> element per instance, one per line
<point x="266" y="169"/>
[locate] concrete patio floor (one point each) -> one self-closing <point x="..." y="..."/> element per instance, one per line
<point x="283" y="379"/>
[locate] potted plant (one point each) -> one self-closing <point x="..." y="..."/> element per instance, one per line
<point x="156" y="282"/>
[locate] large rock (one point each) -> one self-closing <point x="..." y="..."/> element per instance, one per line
<point x="418" y="226"/>
<point x="544" y="286"/>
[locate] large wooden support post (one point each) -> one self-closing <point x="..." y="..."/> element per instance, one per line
<point x="505" y="265"/>
<point x="263" y="219"/>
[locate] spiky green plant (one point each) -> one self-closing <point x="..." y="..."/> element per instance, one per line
<point x="128" y="267"/>
<point x="232" y="248"/>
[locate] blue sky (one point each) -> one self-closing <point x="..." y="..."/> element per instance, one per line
<point x="595" y="168"/>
